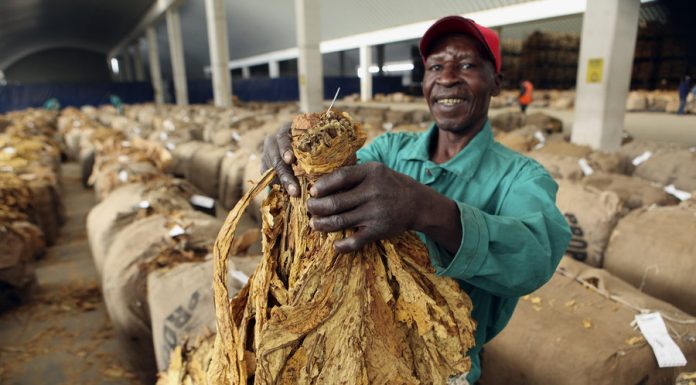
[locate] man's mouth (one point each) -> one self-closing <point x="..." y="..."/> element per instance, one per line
<point x="450" y="101"/>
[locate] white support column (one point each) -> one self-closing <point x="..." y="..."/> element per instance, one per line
<point x="246" y="73"/>
<point x="273" y="69"/>
<point x="608" y="41"/>
<point x="219" y="53"/>
<point x="309" y="64"/>
<point x="125" y="64"/>
<point x="176" y="51"/>
<point x="138" y="62"/>
<point x="365" y="75"/>
<point x="155" y="70"/>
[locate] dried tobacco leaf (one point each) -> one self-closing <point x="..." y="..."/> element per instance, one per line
<point x="311" y="316"/>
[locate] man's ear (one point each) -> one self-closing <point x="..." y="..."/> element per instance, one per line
<point x="497" y="81"/>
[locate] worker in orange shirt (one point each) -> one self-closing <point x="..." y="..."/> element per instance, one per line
<point x="525" y="98"/>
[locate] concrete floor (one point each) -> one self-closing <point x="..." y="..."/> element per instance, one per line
<point x="653" y="126"/>
<point x="62" y="335"/>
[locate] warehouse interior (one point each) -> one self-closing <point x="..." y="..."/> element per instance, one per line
<point x="140" y="242"/>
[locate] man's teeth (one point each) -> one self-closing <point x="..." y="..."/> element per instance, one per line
<point x="450" y="101"/>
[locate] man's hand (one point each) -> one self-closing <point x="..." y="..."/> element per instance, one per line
<point x="277" y="153"/>
<point x="380" y="203"/>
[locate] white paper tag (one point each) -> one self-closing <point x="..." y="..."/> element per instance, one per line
<point x="202" y="201"/>
<point x="585" y="167"/>
<point x="170" y="146"/>
<point x="642" y="158"/>
<point x="163" y="136"/>
<point x="144" y="204"/>
<point x="176" y="231"/>
<point x="540" y="137"/>
<point x="123" y="158"/>
<point x="388" y="126"/>
<point x="125" y="143"/>
<point x="123" y="176"/>
<point x="252" y="157"/>
<point x="692" y="149"/>
<point x="6" y="168"/>
<point x="240" y="276"/>
<point x="229" y="153"/>
<point x="681" y="194"/>
<point x="655" y="332"/>
<point x="137" y="131"/>
<point x="235" y="136"/>
<point x="29" y="177"/>
<point x="168" y="125"/>
<point x="9" y="150"/>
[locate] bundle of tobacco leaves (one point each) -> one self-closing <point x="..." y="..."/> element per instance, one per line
<point x="312" y="316"/>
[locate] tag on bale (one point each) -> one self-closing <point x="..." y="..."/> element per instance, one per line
<point x="309" y="315"/>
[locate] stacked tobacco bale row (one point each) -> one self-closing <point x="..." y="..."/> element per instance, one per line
<point x="396" y="97"/>
<point x="146" y="238"/>
<point x="555" y="99"/>
<point x="624" y="220"/>
<point x="550" y="59"/>
<point x="658" y="101"/>
<point x="378" y="121"/>
<point x="31" y="209"/>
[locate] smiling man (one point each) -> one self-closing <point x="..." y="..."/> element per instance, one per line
<point x="487" y="214"/>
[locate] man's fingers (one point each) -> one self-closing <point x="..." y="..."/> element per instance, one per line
<point x="284" y="142"/>
<point x="355" y="242"/>
<point x="336" y="203"/>
<point x="337" y="222"/>
<point x="271" y="158"/>
<point x="342" y="179"/>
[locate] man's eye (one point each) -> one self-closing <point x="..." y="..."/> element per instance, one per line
<point x="466" y="66"/>
<point x="435" y="67"/>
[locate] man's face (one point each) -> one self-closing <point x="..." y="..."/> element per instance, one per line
<point x="458" y="83"/>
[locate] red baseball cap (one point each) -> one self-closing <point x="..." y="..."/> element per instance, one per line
<point x="457" y="24"/>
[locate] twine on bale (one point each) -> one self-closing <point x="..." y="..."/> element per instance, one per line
<point x="312" y="316"/>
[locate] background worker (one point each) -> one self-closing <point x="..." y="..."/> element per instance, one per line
<point x="486" y="213"/>
<point x="525" y="97"/>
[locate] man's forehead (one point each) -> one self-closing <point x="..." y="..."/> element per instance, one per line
<point x="457" y="44"/>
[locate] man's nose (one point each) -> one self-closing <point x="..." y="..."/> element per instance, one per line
<point x="449" y="76"/>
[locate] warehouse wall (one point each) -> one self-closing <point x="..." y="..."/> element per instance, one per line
<point x="60" y="66"/>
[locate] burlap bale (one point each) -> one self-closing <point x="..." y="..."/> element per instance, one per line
<point x="191" y="313"/>
<point x="128" y="262"/>
<point x="637" y="147"/>
<point x="634" y="192"/>
<point x="558" y="166"/>
<point x="565" y="149"/>
<point x="592" y="215"/>
<point x="508" y="121"/>
<point x="48" y="207"/>
<point x="653" y="249"/>
<point x="181" y="157"/>
<point x="204" y="169"/>
<point x="567" y="334"/>
<point x="547" y="124"/>
<point x="232" y="177"/>
<point x="614" y="162"/>
<point x="225" y="137"/>
<point x="252" y="173"/>
<point x="675" y="167"/>
<point x="120" y="209"/>
<point x="16" y="255"/>
<point x="398" y="117"/>
<point x="636" y="101"/>
<point x="116" y="174"/>
<point x="252" y="140"/>
<point x="520" y="140"/>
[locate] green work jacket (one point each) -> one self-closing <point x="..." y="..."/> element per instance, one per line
<point x="513" y="235"/>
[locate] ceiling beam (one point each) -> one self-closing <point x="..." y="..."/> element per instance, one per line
<point x="152" y="16"/>
<point x="496" y="17"/>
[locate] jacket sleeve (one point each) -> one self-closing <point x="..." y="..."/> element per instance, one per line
<point x="515" y="252"/>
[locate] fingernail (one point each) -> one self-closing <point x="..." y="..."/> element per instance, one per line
<point x="313" y="191"/>
<point x="311" y="223"/>
<point x="287" y="156"/>
<point x="292" y="190"/>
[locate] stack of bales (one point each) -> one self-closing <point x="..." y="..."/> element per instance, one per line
<point x="633" y="235"/>
<point x="31" y="208"/>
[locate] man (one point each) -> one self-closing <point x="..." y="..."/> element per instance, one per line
<point x="486" y="213"/>
<point x="684" y="86"/>
<point x="525" y="97"/>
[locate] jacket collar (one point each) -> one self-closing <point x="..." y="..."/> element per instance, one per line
<point x="466" y="162"/>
